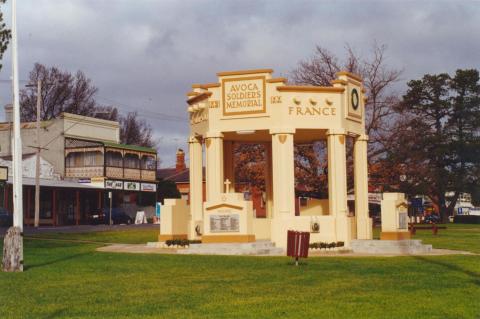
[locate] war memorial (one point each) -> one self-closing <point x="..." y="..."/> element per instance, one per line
<point x="254" y="106"/>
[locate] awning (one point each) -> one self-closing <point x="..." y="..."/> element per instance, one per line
<point x="55" y="183"/>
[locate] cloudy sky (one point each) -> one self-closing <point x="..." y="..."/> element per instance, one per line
<point x="144" y="55"/>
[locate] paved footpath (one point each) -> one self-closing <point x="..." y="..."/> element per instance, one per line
<point x="79" y="229"/>
<point x="144" y="249"/>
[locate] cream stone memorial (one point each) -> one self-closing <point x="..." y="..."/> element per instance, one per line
<point x="394" y="217"/>
<point x="253" y="106"/>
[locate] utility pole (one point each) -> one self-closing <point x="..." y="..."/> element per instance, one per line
<point x="37" y="152"/>
<point x="37" y="160"/>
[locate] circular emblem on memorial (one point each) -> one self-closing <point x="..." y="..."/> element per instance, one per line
<point x="355" y="99"/>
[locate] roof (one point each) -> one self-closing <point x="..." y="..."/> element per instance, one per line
<point x="131" y="147"/>
<point x="24" y="156"/>
<point x="172" y="174"/>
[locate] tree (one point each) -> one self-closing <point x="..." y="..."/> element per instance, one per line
<point x="437" y="144"/>
<point x="250" y="164"/>
<point x="378" y="80"/>
<point x="167" y="189"/>
<point x="135" y="131"/>
<point x="63" y="91"/>
<point x="5" y="35"/>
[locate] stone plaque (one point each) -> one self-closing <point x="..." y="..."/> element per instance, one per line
<point x="224" y="223"/>
<point x="243" y="96"/>
<point x="402" y="220"/>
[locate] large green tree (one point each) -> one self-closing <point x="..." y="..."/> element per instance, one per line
<point x="436" y="146"/>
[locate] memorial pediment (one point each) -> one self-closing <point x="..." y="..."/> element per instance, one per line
<point x="224" y="205"/>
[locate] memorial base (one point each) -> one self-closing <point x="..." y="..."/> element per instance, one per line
<point x="228" y="239"/>
<point x="394" y="235"/>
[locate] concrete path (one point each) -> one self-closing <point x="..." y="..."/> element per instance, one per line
<point x="144" y="249"/>
<point x="136" y="249"/>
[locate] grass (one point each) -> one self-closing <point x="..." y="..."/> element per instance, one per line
<point x="72" y="280"/>
<point x="127" y="236"/>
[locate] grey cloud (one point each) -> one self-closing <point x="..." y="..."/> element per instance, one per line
<point x="145" y="54"/>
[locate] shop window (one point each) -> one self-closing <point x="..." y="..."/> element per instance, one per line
<point x="94" y="158"/>
<point x="114" y="159"/>
<point x="148" y="162"/>
<point x="45" y="203"/>
<point x="131" y="161"/>
<point x="75" y="159"/>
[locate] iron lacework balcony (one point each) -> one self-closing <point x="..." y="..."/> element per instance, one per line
<point x="110" y="160"/>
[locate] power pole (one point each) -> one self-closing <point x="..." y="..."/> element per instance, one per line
<point x="37" y="152"/>
<point x="37" y="160"/>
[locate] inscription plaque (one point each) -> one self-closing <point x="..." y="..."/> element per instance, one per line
<point x="244" y="95"/>
<point x="402" y="220"/>
<point x="224" y="223"/>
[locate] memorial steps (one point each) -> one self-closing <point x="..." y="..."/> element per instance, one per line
<point x="407" y="247"/>
<point x="258" y="248"/>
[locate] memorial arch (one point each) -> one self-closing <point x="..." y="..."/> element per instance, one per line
<point x="254" y="106"/>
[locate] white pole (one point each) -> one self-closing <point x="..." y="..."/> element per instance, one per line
<point x="37" y="159"/>
<point x="17" y="148"/>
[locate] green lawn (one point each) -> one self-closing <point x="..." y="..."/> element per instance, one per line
<point x="72" y="280"/>
<point x="129" y="236"/>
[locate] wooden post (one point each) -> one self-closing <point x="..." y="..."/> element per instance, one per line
<point x="29" y="198"/>
<point x="99" y="203"/>
<point x="5" y="196"/>
<point x="54" y="206"/>
<point x="77" y="207"/>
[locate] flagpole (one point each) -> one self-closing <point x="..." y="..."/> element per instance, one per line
<point x="17" y="147"/>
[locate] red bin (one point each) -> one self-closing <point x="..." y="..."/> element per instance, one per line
<point x="297" y="244"/>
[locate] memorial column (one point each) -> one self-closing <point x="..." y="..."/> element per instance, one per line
<point x="214" y="157"/>
<point x="364" y="224"/>
<point x="196" y="184"/>
<point x="283" y="173"/>
<point x="229" y="167"/>
<point x="337" y="183"/>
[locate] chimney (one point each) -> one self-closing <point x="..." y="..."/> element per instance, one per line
<point x="8" y="113"/>
<point x="180" y="165"/>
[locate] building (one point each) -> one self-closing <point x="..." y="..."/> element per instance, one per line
<point x="82" y="162"/>
<point x="179" y="175"/>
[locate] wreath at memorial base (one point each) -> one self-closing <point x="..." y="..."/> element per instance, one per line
<point x="315" y="227"/>
<point x="197" y="230"/>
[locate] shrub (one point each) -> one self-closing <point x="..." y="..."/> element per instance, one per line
<point x="466" y="219"/>
<point x="340" y="244"/>
<point x="181" y="242"/>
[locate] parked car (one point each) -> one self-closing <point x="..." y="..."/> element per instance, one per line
<point x="6" y="218"/>
<point x="432" y="218"/>
<point x="103" y="217"/>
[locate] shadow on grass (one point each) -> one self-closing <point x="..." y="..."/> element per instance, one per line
<point x="54" y="261"/>
<point x="474" y="275"/>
